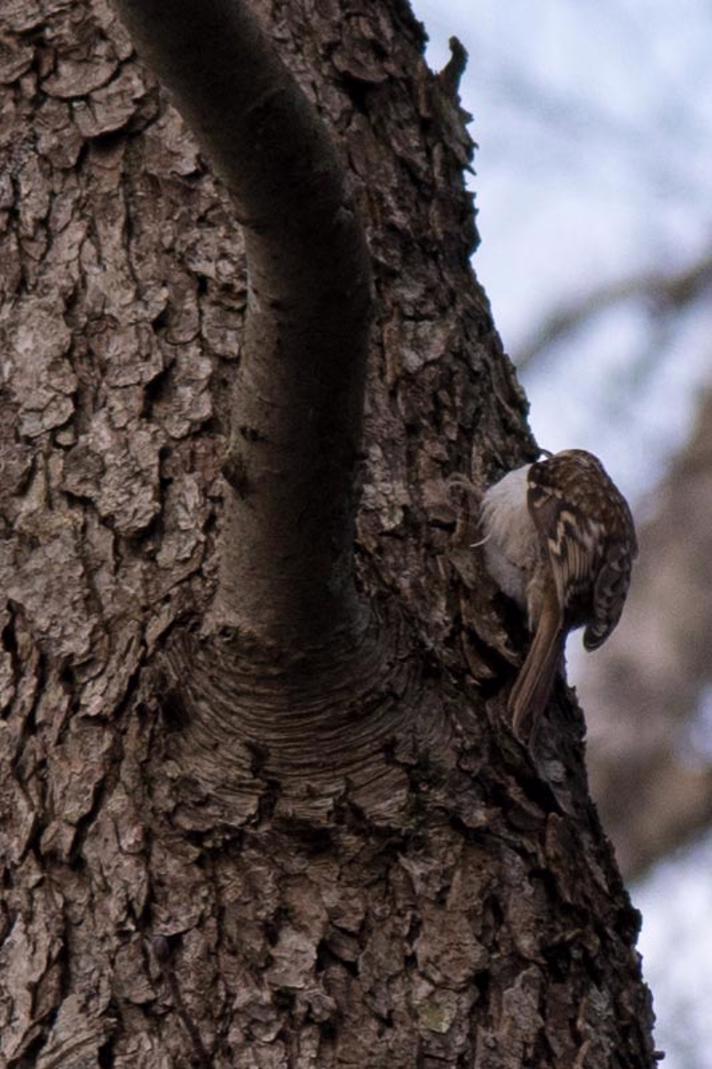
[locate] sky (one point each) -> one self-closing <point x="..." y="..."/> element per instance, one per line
<point x="594" y="126"/>
<point x="594" y="123"/>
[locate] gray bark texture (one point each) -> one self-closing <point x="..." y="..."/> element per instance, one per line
<point x="260" y="805"/>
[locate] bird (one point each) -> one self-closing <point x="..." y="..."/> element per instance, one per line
<point x="559" y="539"/>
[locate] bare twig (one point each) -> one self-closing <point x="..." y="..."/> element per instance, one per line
<point x="665" y="293"/>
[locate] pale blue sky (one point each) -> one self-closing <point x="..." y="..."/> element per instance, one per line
<point x="594" y="123"/>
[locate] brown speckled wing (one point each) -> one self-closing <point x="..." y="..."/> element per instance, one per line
<point x="586" y="526"/>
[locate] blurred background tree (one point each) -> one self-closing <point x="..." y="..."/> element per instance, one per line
<point x="593" y="180"/>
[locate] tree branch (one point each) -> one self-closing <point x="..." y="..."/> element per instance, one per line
<point x="286" y="573"/>
<point x="667" y="294"/>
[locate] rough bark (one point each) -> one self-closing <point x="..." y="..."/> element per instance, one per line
<point x="383" y="876"/>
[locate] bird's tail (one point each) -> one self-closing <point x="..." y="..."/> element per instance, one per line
<point x="530" y="693"/>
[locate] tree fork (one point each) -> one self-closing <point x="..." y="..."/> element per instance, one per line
<point x="439" y="901"/>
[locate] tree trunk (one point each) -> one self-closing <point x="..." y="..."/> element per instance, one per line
<point x="240" y="831"/>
